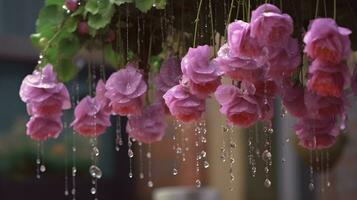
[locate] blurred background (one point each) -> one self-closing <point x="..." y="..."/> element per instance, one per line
<point x="290" y="170"/>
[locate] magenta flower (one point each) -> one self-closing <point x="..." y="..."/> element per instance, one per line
<point x="183" y="105"/>
<point x="91" y="119"/>
<point x="237" y="68"/>
<point x="240" y="43"/>
<point x="241" y="108"/>
<point x="326" y="80"/>
<point x="41" y="128"/>
<point x="44" y="95"/>
<point x="148" y="127"/>
<point x="293" y="98"/>
<point x="320" y="107"/>
<point x="270" y="27"/>
<point x="317" y="133"/>
<point x="169" y="76"/>
<point x="125" y="90"/>
<point x="327" y="41"/>
<point x="285" y="61"/>
<point x="203" y="75"/>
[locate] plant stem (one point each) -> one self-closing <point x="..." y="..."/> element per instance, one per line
<point x="334" y="9"/>
<point x="196" y="21"/>
<point x="229" y="17"/>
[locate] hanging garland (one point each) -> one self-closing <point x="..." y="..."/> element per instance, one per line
<point x="260" y="56"/>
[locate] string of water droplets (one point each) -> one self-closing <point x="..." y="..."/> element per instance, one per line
<point x="227" y="148"/>
<point x="200" y="132"/>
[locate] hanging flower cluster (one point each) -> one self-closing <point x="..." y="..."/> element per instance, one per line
<point x="258" y="56"/>
<point x="45" y="98"/>
<point x="323" y="112"/>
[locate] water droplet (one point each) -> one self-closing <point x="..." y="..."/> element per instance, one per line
<point x="267" y="183"/>
<point x="233" y="145"/>
<point x="223" y="158"/>
<point x="232" y="177"/>
<point x="154" y="5"/>
<point x="66" y="193"/>
<point x="74" y="149"/>
<point x="328" y="184"/>
<point x="206" y="164"/>
<point x="270" y="130"/>
<point x="130" y="175"/>
<point x="198" y="183"/>
<point x="95" y="151"/>
<point x="38" y="176"/>
<point x="148" y="155"/>
<point x="203" y="154"/>
<point x="266" y="170"/>
<point x="232" y="160"/>
<point x="38" y="161"/>
<point x="150" y="184"/>
<point x="93" y="190"/>
<point x="42" y="168"/>
<point x="117" y="148"/>
<point x="73" y="191"/>
<point x="130" y="153"/>
<point x="95" y="172"/>
<point x="283" y="160"/>
<point x="141" y="175"/>
<point x="174" y="172"/>
<point x="287" y="140"/>
<point x="266" y="155"/>
<point x="311" y="186"/>
<point x="74" y="171"/>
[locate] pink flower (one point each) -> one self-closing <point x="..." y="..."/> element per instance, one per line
<point x="327" y="81"/>
<point x="125" y="90"/>
<point x="44" y="95"/>
<point x="293" y="98"/>
<point x="101" y="98"/>
<point x="183" y="105"/>
<point x="317" y="133"/>
<point x="270" y="27"/>
<point x="169" y="76"/>
<point x="284" y="62"/>
<point x="90" y="118"/>
<point x="264" y="8"/>
<point x="324" y="106"/>
<point x="237" y="68"/>
<point x="241" y="109"/>
<point x="41" y="128"/>
<point x="148" y="127"/>
<point x="240" y="43"/>
<point x="203" y="75"/>
<point x="327" y="41"/>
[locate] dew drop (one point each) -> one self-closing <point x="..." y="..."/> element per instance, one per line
<point x="93" y="190"/>
<point x="328" y="184"/>
<point x="150" y="184"/>
<point x="148" y="155"/>
<point x="141" y="175"/>
<point x="38" y="161"/>
<point x="198" y="183"/>
<point x="203" y="154"/>
<point x="266" y="155"/>
<point x="270" y="130"/>
<point x="206" y="164"/>
<point x="130" y="153"/>
<point x="42" y="168"/>
<point x="95" y="151"/>
<point x="38" y="176"/>
<point x="267" y="183"/>
<point x="74" y="171"/>
<point x="66" y="193"/>
<point x="95" y="172"/>
<point x="174" y="172"/>
<point x="311" y="186"/>
<point x="130" y="175"/>
<point x="117" y="148"/>
<point x="266" y="170"/>
<point x="73" y="191"/>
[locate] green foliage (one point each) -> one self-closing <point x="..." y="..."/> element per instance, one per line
<point x="57" y="38"/>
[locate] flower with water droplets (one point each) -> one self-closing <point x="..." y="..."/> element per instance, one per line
<point x="41" y="128"/>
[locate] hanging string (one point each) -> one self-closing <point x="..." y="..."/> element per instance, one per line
<point x="317" y="8"/>
<point x="229" y="18"/>
<point x="334" y="9"/>
<point x="212" y="26"/>
<point x="196" y="22"/>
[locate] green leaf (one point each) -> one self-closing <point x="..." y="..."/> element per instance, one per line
<point x="54" y="2"/>
<point x="101" y="20"/>
<point x="68" y="47"/>
<point x="66" y="70"/>
<point x="35" y="39"/>
<point x="92" y="6"/>
<point x="70" y="25"/>
<point x="160" y="4"/>
<point x="144" y="5"/>
<point x="119" y="2"/>
<point x="49" y="21"/>
<point x="79" y="11"/>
